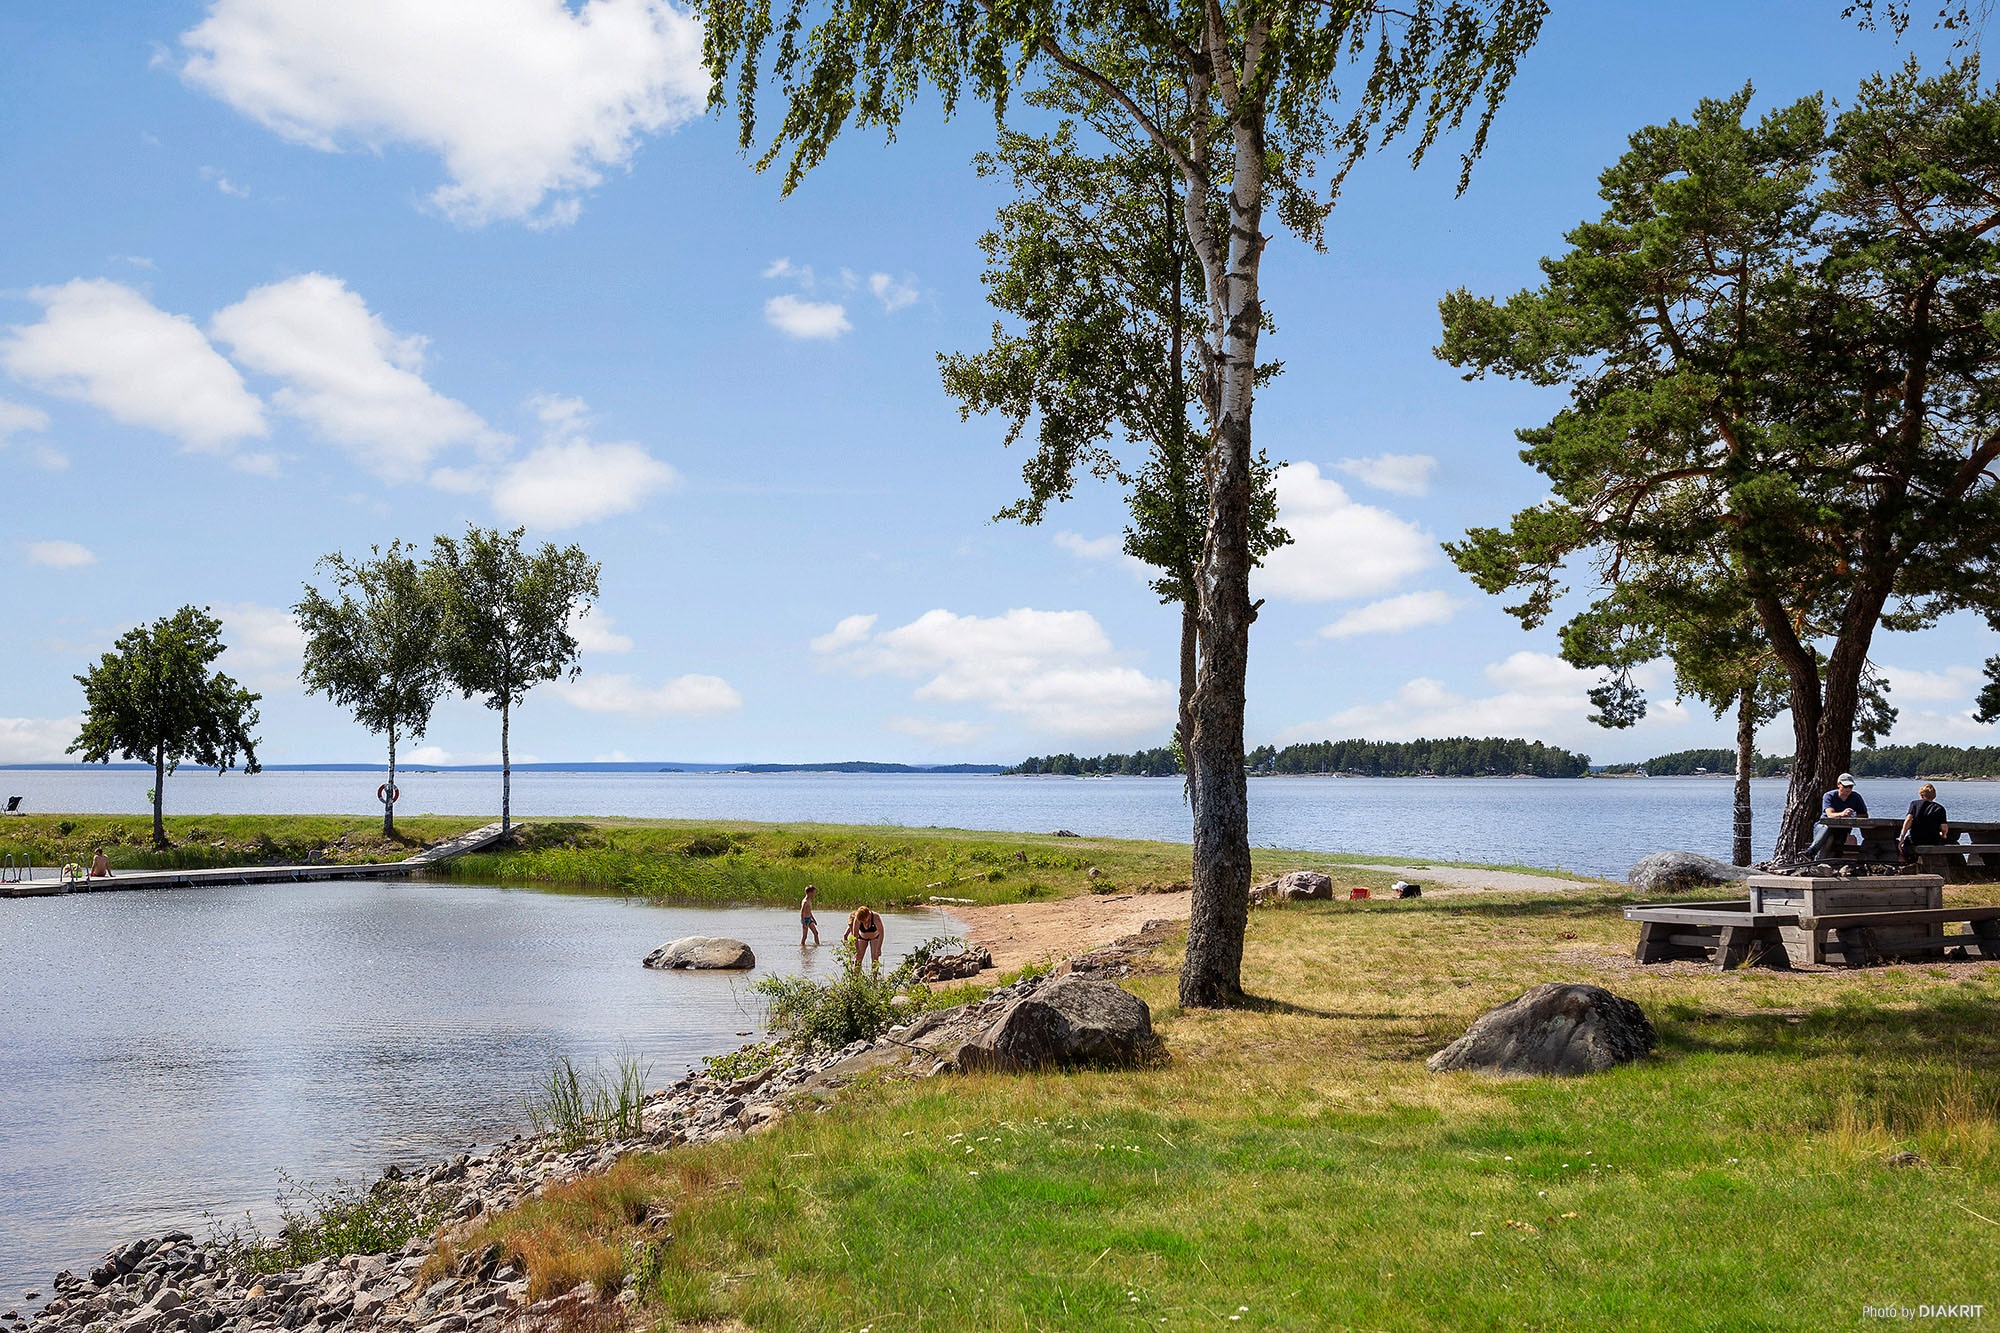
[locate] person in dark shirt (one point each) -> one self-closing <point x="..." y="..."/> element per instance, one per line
<point x="1842" y="802"/>
<point x="1924" y="825"/>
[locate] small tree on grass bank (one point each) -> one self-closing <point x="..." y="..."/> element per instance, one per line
<point x="154" y="698"/>
<point x="375" y="650"/>
<point x="1779" y="336"/>
<point x="506" y="617"/>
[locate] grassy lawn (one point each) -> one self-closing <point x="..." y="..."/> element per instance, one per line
<point x="1295" y="1166"/>
<point x="200" y="842"/>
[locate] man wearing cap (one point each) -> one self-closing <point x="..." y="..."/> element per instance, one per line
<point x="1843" y="802"/>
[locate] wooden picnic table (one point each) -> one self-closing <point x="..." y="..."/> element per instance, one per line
<point x="1792" y="919"/>
<point x="1972" y="858"/>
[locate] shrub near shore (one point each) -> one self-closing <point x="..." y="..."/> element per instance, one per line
<point x="738" y="861"/>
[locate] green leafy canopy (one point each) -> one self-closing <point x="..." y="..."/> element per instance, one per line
<point x="153" y="698"/>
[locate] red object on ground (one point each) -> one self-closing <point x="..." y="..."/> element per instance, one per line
<point x="1358" y="892"/>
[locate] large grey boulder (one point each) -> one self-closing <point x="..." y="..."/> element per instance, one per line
<point x="1293" y="886"/>
<point x="1553" y="1029"/>
<point x="1069" y="1021"/>
<point x="1677" y="872"/>
<point x="703" y="952"/>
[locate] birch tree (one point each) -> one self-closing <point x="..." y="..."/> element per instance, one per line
<point x="506" y="623"/>
<point x="1276" y="91"/>
<point x="376" y="651"/>
<point x="1108" y="355"/>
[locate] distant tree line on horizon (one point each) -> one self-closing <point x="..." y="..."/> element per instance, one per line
<point x="1162" y="761"/>
<point x="1882" y="761"/>
<point x="1687" y="763"/>
<point x="1456" y="757"/>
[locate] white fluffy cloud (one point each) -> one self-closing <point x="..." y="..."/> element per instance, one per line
<point x="894" y="294"/>
<point x="527" y="102"/>
<point x="61" y="554"/>
<point x="593" y="633"/>
<point x="102" y="343"/>
<point x="1394" y="615"/>
<point x="851" y="632"/>
<point x="266" y="645"/>
<point x="438" y="756"/>
<point x="1535" y="695"/>
<point x="1340" y="548"/>
<point x="806" y="319"/>
<point x="36" y="740"/>
<point x="348" y="375"/>
<point x="1054" y="670"/>
<point x="1090" y="548"/>
<point x="17" y="418"/>
<point x="1404" y="474"/>
<point x="684" y="696"/>
<point x="1946" y="686"/>
<point x="570" y="479"/>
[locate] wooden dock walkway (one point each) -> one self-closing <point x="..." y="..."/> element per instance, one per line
<point x="123" y="880"/>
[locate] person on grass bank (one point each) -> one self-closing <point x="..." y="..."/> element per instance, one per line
<point x="1843" y="802"/>
<point x="865" y="929"/>
<point x="807" y="921"/>
<point x="1924" y="825"/>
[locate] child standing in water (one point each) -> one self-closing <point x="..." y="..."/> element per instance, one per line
<point x="807" y="921"/>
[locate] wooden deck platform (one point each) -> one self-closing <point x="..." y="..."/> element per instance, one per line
<point x="129" y="880"/>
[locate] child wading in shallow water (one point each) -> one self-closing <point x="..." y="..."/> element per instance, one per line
<point x="808" y="922"/>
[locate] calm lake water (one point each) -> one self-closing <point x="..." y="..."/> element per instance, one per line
<point x="1595" y="826"/>
<point x="168" y="1053"/>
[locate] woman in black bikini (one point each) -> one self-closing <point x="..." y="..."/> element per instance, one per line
<point x="865" y="929"/>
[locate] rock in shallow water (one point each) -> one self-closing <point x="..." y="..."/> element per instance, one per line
<point x="1553" y="1029"/>
<point x="703" y="952"/>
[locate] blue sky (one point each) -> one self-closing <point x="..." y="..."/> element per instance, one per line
<point x="285" y="278"/>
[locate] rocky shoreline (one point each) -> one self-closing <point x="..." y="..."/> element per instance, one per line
<point x="173" y="1284"/>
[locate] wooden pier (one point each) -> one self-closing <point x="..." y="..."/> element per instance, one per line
<point x="125" y="880"/>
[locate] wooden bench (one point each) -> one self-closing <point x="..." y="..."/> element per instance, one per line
<point x="1727" y="934"/>
<point x="1855" y="935"/>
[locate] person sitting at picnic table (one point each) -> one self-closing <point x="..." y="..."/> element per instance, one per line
<point x="100" y="868"/>
<point x="1843" y="802"/>
<point x="865" y="929"/>
<point x="1925" y="825"/>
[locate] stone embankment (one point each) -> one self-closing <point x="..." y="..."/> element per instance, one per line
<point x="174" y="1285"/>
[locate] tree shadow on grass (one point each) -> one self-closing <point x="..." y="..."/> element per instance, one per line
<point x="1960" y="1028"/>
